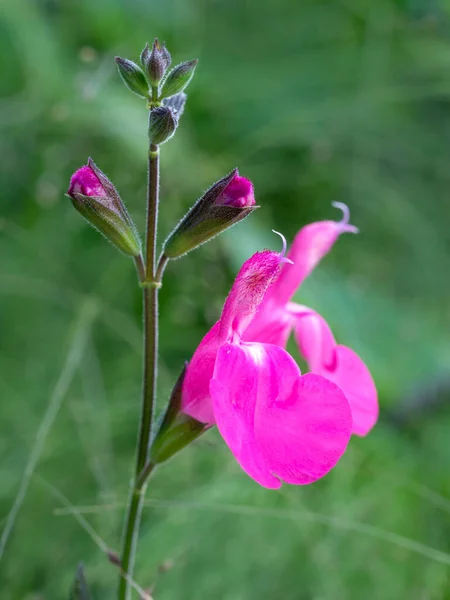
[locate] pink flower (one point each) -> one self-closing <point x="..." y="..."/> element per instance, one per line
<point x="85" y="181"/>
<point x="279" y="425"/>
<point x="277" y="317"/>
<point x="238" y="193"/>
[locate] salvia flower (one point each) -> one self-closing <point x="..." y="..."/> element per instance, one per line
<point x="278" y="317"/>
<point x="225" y="203"/>
<point x="96" y="198"/>
<point x="279" y="425"/>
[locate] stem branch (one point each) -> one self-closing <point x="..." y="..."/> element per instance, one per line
<point x="140" y="267"/>
<point x="162" y="263"/>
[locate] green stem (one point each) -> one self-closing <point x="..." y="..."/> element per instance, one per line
<point x="162" y="263"/>
<point x="140" y="267"/>
<point x="150" y="301"/>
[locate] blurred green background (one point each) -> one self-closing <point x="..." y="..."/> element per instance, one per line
<point x="314" y="101"/>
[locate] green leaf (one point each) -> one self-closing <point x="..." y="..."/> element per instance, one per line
<point x="133" y="76"/>
<point x="178" y="78"/>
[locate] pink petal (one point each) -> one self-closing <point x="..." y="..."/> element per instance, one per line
<point x="234" y="393"/>
<point x="238" y="193"/>
<point x="340" y="365"/>
<point x="85" y="181"/>
<point x="278" y="424"/>
<point x="271" y="325"/>
<point x="314" y="338"/>
<point x="245" y="296"/>
<point x="310" y="245"/>
<point x="247" y="293"/>
<point x="196" y="399"/>
<point x="356" y="382"/>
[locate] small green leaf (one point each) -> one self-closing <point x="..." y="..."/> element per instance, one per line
<point x="178" y="78"/>
<point x="132" y="76"/>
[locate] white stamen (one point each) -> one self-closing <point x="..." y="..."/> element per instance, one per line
<point x="345" y="222"/>
<point x="283" y="257"/>
<point x="345" y="211"/>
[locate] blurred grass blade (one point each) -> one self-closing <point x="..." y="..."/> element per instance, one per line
<point x="80" y="336"/>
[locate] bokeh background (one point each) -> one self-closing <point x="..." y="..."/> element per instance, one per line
<point x="346" y="100"/>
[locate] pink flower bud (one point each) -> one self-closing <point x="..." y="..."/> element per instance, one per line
<point x="226" y="202"/>
<point x="94" y="196"/>
<point x="238" y="193"/>
<point x="85" y="181"/>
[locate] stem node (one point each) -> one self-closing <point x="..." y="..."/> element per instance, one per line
<point x="151" y="284"/>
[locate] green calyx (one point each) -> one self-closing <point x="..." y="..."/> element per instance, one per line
<point x="133" y="76"/>
<point x="162" y="124"/>
<point x="119" y="231"/>
<point x="180" y="434"/>
<point x="176" y="429"/>
<point x="192" y="232"/>
<point x="178" y="78"/>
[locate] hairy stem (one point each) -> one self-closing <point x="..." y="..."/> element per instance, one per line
<point x="162" y="263"/>
<point x="140" y="267"/>
<point x="151" y="285"/>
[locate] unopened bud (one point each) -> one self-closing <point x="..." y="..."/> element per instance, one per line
<point x="227" y="202"/>
<point x="176" y="429"/>
<point x="133" y="76"/>
<point x="114" y="558"/>
<point x="162" y="124"/>
<point x="95" y="197"/>
<point x="79" y="589"/>
<point x="155" y="61"/>
<point x="178" y="78"/>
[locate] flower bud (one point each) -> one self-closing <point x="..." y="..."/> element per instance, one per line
<point x="95" y="197"/>
<point x="133" y="76"/>
<point x="162" y="124"/>
<point x="178" y="78"/>
<point x="176" y="429"/>
<point x="155" y="62"/>
<point x="80" y="589"/>
<point x="227" y="202"/>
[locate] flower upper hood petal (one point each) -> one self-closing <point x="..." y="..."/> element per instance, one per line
<point x="310" y="245"/>
<point x="248" y="290"/>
